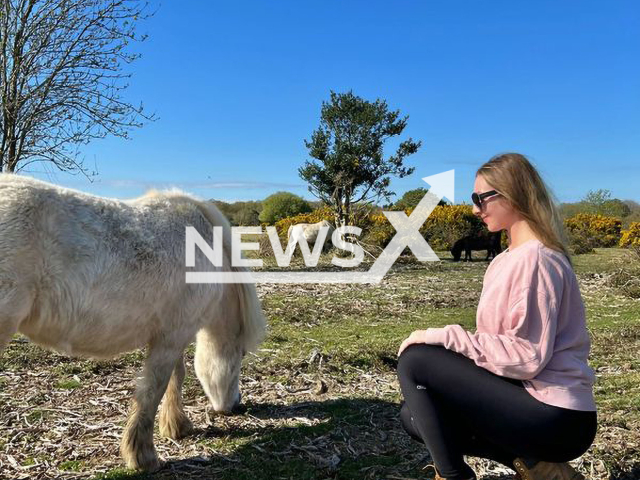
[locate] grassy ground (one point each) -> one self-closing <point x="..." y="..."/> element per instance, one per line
<point x="321" y="396"/>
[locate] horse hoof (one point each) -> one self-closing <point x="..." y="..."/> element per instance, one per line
<point x="137" y="454"/>
<point x="149" y="464"/>
<point x="177" y="428"/>
<point x="152" y="466"/>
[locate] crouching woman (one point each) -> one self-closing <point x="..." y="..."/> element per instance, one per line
<point x="518" y="390"/>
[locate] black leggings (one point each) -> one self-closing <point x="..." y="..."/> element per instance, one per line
<point x="458" y="408"/>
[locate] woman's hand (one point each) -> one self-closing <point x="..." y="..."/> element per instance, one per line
<point x="419" y="336"/>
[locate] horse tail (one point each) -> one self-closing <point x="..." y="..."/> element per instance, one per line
<point x="253" y="324"/>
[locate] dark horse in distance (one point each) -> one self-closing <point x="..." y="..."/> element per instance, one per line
<point x="481" y="241"/>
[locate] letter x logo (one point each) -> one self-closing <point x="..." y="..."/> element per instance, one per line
<point x="407" y="235"/>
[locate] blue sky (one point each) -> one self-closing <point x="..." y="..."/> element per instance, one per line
<point x="238" y="86"/>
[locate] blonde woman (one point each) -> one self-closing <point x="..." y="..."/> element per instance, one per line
<point x="518" y="390"/>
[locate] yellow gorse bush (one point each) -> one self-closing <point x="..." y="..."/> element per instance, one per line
<point x="631" y="237"/>
<point x="322" y="213"/>
<point x="604" y="231"/>
<point x="444" y="226"/>
<point x="448" y="223"/>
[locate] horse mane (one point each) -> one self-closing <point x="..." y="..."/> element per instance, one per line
<point x="253" y="327"/>
<point x="168" y="194"/>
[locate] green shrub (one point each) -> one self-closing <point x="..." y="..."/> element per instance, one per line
<point x="580" y="244"/>
<point x="411" y="199"/>
<point x="247" y="216"/>
<point x="282" y="205"/>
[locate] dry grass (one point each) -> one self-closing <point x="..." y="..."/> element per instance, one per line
<point x="626" y="277"/>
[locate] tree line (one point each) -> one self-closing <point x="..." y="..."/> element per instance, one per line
<point x="281" y="205"/>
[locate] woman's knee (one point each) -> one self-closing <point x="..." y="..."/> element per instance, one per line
<point x="406" y="420"/>
<point x="418" y="356"/>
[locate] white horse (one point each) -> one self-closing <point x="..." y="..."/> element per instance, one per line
<point x="96" y="277"/>
<point x="310" y="232"/>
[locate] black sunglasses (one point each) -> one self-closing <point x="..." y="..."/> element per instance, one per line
<point x="478" y="198"/>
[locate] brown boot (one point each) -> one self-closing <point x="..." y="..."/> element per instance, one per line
<point x="546" y="471"/>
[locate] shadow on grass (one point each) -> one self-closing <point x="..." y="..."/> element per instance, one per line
<point x="338" y="439"/>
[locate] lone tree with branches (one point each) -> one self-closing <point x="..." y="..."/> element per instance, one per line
<point x="349" y="166"/>
<point x="62" y="78"/>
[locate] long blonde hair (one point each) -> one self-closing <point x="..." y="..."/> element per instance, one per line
<point x="513" y="176"/>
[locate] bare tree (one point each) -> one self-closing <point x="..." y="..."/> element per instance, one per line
<point x="62" y="78"/>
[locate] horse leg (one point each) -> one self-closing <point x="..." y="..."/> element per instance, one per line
<point x="137" y="447"/>
<point x="15" y="306"/>
<point x="173" y="421"/>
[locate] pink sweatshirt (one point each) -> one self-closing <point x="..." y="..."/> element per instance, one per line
<point x="530" y="326"/>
